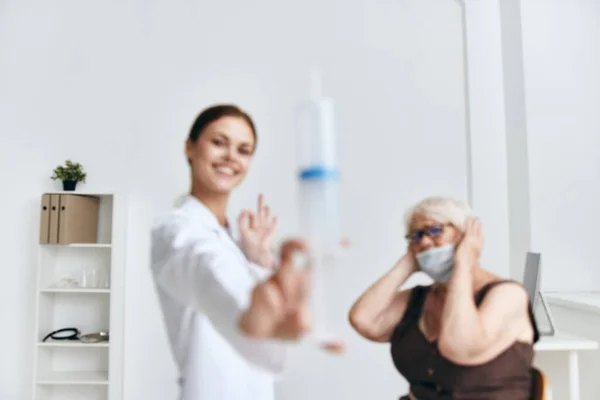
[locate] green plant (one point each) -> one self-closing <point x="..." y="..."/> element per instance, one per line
<point x="69" y="172"/>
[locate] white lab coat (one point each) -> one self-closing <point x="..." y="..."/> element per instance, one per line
<point x="204" y="282"/>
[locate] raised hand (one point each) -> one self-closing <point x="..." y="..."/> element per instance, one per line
<point x="257" y="234"/>
<point x="469" y="249"/>
<point x="279" y="308"/>
<point x="409" y="262"/>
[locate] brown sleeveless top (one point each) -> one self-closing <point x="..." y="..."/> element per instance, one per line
<point x="433" y="377"/>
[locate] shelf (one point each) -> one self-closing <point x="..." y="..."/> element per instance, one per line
<point x="71" y="392"/>
<point x="73" y="378"/>
<point x="75" y="291"/>
<point x="81" y="193"/>
<point x="81" y="245"/>
<point x="79" y="285"/>
<point x="86" y="312"/>
<point x="92" y="245"/>
<point x="63" y="267"/>
<point x="72" y="344"/>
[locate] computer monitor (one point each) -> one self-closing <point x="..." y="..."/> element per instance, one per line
<point x="531" y="275"/>
<point x="531" y="282"/>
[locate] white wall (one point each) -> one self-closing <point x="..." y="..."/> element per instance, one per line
<point x="115" y="85"/>
<point x="516" y="135"/>
<point x="561" y="44"/>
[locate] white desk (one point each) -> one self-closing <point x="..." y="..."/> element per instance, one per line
<point x="589" y="302"/>
<point x="572" y="344"/>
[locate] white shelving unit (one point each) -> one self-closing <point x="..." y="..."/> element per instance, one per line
<point x="91" y="302"/>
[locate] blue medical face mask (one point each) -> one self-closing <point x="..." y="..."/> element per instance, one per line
<point x="437" y="262"/>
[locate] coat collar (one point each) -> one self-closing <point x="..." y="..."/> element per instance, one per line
<point x="191" y="204"/>
<point x="194" y="206"/>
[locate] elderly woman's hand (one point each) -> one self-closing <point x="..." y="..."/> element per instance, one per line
<point x="469" y="249"/>
<point x="408" y="263"/>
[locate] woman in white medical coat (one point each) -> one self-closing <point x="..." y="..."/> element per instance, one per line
<point x="228" y="309"/>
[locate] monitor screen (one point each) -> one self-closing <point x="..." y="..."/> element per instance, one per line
<point x="531" y="276"/>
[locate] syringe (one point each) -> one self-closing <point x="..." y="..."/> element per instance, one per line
<point x="319" y="207"/>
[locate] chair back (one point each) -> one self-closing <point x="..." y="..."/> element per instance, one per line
<point x="540" y="386"/>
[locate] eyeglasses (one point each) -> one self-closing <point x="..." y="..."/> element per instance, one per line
<point x="433" y="231"/>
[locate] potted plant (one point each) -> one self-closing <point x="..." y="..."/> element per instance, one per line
<point x="69" y="174"/>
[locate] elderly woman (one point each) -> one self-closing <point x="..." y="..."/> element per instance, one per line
<point x="470" y="334"/>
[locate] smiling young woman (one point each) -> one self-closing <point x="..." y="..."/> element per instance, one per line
<point x="223" y="304"/>
<point x="219" y="149"/>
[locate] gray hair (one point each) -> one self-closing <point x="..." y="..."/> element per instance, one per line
<point x="444" y="210"/>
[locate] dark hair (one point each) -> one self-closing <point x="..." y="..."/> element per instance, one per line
<point x="216" y="112"/>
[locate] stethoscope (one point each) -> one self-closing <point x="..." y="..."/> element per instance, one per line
<point x="63" y="334"/>
<point x="74" y="334"/>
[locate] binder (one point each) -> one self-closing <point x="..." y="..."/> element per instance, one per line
<point x="69" y="218"/>
<point x="45" y="220"/>
<point x="78" y="219"/>
<point x="53" y="228"/>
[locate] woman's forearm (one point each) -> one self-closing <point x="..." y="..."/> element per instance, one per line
<point x="378" y="297"/>
<point x="460" y="330"/>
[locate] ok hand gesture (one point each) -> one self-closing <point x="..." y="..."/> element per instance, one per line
<point x="257" y="234"/>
